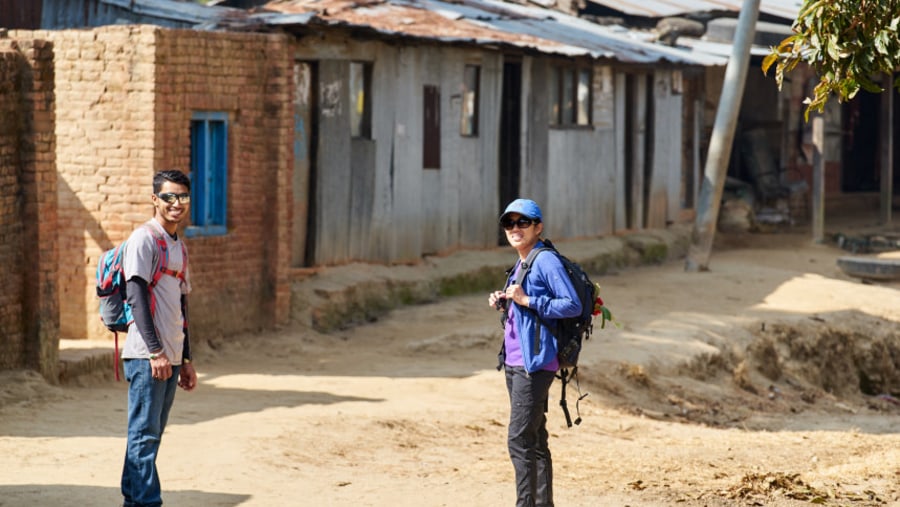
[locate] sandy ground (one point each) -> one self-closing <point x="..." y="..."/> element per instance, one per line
<point x="773" y="379"/>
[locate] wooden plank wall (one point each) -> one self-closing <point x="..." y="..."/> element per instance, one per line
<point x="375" y="201"/>
<point x="333" y="176"/>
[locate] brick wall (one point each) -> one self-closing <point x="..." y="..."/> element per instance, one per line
<point x="125" y="99"/>
<point x="240" y="279"/>
<point x="105" y="141"/>
<point x="29" y="318"/>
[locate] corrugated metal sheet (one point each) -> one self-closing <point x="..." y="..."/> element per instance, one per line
<point x="483" y="22"/>
<point x="61" y="14"/>
<point x="492" y="22"/>
<point x="786" y="9"/>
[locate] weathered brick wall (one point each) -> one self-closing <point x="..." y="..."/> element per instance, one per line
<point x="125" y="99"/>
<point x="29" y="319"/>
<point x="105" y="141"/>
<point x="240" y="279"/>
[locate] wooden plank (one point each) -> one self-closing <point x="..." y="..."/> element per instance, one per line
<point x="381" y="224"/>
<point x="886" y="130"/>
<point x="665" y="169"/>
<point x="478" y="206"/>
<point x="638" y="153"/>
<point x="536" y="121"/>
<point x="362" y="183"/>
<point x="407" y="223"/>
<point x="603" y="205"/>
<point x="333" y="172"/>
<point x="620" y="220"/>
<point x="303" y="124"/>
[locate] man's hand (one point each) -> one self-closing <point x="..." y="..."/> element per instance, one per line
<point x="187" y="379"/>
<point x="160" y="366"/>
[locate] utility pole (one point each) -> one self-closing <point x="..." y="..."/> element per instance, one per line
<point x="722" y="138"/>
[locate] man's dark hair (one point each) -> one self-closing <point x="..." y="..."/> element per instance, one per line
<point x="173" y="175"/>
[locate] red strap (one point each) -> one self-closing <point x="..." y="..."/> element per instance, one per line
<point x="116" y="360"/>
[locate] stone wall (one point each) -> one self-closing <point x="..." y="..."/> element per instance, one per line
<point x="29" y="318"/>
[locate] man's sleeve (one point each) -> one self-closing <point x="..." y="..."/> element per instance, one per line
<point x="139" y="300"/>
<point x="186" y="353"/>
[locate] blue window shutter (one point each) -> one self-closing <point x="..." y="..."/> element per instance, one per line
<point x="209" y="173"/>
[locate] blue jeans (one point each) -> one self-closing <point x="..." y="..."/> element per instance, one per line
<point x="527" y="438"/>
<point x="149" y="401"/>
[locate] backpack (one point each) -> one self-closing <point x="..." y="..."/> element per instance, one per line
<point x="570" y="332"/>
<point x="115" y="312"/>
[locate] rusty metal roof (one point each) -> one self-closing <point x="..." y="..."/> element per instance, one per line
<point x="785" y="9"/>
<point x="491" y="22"/>
<point x="479" y="22"/>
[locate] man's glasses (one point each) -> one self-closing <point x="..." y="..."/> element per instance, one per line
<point x="170" y="198"/>
<point x="523" y="223"/>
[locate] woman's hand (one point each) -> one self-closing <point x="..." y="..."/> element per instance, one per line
<point x="495" y="299"/>
<point x="518" y="295"/>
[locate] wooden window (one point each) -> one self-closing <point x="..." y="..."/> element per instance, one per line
<point x="571" y="95"/>
<point x="209" y="171"/>
<point x="361" y="100"/>
<point x="470" y="97"/>
<point x="431" y="124"/>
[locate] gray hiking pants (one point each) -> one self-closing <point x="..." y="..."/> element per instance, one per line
<point x="527" y="438"/>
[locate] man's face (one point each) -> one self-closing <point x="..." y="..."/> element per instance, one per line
<point x="175" y="211"/>
<point x="521" y="231"/>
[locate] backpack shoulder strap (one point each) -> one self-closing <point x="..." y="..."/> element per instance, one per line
<point x="527" y="263"/>
<point x="162" y="250"/>
<point x="162" y="255"/>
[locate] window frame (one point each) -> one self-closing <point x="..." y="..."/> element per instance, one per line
<point x="469" y="120"/>
<point x="431" y="126"/>
<point x="568" y="108"/>
<point x="209" y="174"/>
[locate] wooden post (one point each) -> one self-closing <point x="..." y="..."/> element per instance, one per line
<point x="818" y="183"/>
<point x="722" y="137"/>
<point x="887" y="149"/>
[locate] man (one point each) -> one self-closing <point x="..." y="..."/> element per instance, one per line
<point x="157" y="353"/>
<point x="529" y="349"/>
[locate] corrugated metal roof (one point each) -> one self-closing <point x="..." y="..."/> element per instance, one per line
<point x="492" y="21"/>
<point x="482" y="22"/>
<point x="61" y="14"/>
<point x="786" y="9"/>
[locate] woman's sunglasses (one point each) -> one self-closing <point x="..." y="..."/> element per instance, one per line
<point x="523" y="223"/>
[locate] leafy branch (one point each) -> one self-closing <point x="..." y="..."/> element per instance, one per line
<point x="847" y="43"/>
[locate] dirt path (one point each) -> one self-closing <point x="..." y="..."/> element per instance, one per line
<point x="766" y="381"/>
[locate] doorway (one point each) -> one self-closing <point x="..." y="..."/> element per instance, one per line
<point x="304" y="174"/>
<point x="510" y="137"/>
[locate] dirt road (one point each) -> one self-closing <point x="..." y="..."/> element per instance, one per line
<point x="771" y="380"/>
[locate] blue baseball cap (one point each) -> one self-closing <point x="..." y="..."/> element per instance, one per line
<point x="524" y="207"/>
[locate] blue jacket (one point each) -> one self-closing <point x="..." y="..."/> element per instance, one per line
<point x="551" y="296"/>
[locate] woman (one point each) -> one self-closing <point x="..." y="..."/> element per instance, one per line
<point x="529" y="348"/>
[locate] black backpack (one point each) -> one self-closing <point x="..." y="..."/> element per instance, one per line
<point x="570" y="332"/>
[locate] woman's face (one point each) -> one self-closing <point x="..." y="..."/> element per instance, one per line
<point x="521" y="232"/>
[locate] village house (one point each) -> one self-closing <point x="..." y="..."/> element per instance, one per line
<point x="319" y="136"/>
